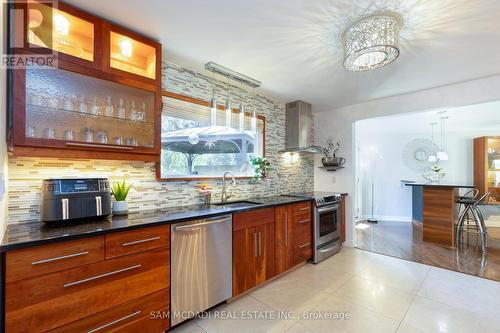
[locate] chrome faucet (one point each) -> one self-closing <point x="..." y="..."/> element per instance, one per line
<point x="225" y="195"/>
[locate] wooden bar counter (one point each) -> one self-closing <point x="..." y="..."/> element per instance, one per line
<point x="435" y="205"/>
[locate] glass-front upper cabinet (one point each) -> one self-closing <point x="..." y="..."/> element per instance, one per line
<point x="493" y="152"/>
<point x="63" y="29"/>
<point x="133" y="54"/>
<point x="73" y="110"/>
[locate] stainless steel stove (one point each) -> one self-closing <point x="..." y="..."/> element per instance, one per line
<point x="326" y="223"/>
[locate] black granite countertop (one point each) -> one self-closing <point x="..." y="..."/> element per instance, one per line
<point x="28" y="234"/>
<point x="439" y="185"/>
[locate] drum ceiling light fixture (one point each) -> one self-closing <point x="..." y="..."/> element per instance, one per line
<point x="372" y="41"/>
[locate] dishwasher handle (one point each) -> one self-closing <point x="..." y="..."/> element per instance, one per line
<point x="201" y="224"/>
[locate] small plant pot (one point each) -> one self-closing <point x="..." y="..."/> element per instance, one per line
<point x="120" y="208"/>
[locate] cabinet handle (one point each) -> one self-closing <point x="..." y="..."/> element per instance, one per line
<point x="304" y="208"/>
<point x="115" y="321"/>
<point x="302" y="246"/>
<point x="100" y="276"/>
<point x="201" y="224"/>
<point x="255" y="251"/>
<point x="286" y="229"/>
<point x="304" y="221"/>
<point x="60" y="258"/>
<point x="93" y="145"/>
<point x="65" y="208"/>
<point x="141" y="241"/>
<point x="98" y="205"/>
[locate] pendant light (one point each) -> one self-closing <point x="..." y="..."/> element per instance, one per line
<point x="242" y="117"/>
<point x="241" y="113"/>
<point x="254" y="116"/>
<point x="433" y="157"/>
<point x="442" y="155"/>
<point x="228" y="106"/>
<point x="213" y="109"/>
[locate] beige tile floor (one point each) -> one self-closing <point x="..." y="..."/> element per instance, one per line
<point x="379" y="293"/>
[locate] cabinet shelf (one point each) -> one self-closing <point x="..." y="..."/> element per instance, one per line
<point x="39" y="108"/>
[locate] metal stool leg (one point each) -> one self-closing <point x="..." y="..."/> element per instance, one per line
<point x="461" y="219"/>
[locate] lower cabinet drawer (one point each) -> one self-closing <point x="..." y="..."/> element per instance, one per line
<point x="302" y="229"/>
<point x="146" y="314"/>
<point x="302" y="249"/>
<point x="43" y="303"/>
<point x="50" y="258"/>
<point x="138" y="240"/>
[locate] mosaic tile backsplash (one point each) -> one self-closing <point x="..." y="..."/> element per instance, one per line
<point x="290" y="174"/>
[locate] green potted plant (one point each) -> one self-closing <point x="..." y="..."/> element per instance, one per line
<point x="261" y="166"/>
<point x="120" y="192"/>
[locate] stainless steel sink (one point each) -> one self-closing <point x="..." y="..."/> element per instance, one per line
<point x="238" y="204"/>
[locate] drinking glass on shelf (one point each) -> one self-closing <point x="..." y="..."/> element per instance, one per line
<point x="30" y="132"/>
<point x="88" y="134"/>
<point x="108" y="111"/>
<point x="121" y="109"/>
<point x="69" y="135"/>
<point x="132" y="142"/>
<point x="141" y="115"/>
<point x="83" y="105"/>
<point x="68" y="103"/>
<point x="51" y="133"/>
<point x="133" y="111"/>
<point x="118" y="140"/>
<point x="102" y="137"/>
<point x="94" y="108"/>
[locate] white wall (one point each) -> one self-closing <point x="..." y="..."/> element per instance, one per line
<point x="3" y="145"/>
<point x="392" y="201"/>
<point x="339" y="123"/>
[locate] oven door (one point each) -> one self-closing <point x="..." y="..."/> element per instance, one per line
<point x="327" y="224"/>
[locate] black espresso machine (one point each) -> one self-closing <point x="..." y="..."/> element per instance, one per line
<point x="75" y="199"/>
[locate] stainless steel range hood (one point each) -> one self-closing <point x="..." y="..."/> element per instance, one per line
<point x="299" y="124"/>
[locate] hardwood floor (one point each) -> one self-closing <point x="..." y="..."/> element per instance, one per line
<point x="404" y="240"/>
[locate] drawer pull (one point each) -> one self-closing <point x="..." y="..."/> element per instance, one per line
<point x="304" y="208"/>
<point x="141" y="241"/>
<point x="304" y="221"/>
<point x="59" y="258"/>
<point x="92" y="278"/>
<point x="302" y="246"/>
<point x="115" y="321"/>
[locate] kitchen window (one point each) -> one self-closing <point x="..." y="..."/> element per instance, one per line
<point x="193" y="149"/>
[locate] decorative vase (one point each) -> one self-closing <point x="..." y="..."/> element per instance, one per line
<point x="120" y="208"/>
<point x="333" y="161"/>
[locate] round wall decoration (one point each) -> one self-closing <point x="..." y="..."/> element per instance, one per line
<point x="416" y="153"/>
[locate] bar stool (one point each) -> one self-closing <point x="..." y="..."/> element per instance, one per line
<point x="470" y="205"/>
<point x="469" y="195"/>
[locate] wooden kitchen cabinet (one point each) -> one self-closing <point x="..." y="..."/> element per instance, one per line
<point x="487" y="167"/>
<point x="293" y="235"/>
<point x="74" y="288"/>
<point x="131" y="54"/>
<point x="74" y="34"/>
<point x="253" y="249"/>
<point x="283" y="239"/>
<point x="93" y="101"/>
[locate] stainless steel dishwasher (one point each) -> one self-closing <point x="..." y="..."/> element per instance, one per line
<point x="201" y="265"/>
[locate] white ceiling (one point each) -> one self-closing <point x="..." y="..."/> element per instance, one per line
<point x="472" y="118"/>
<point x="292" y="46"/>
